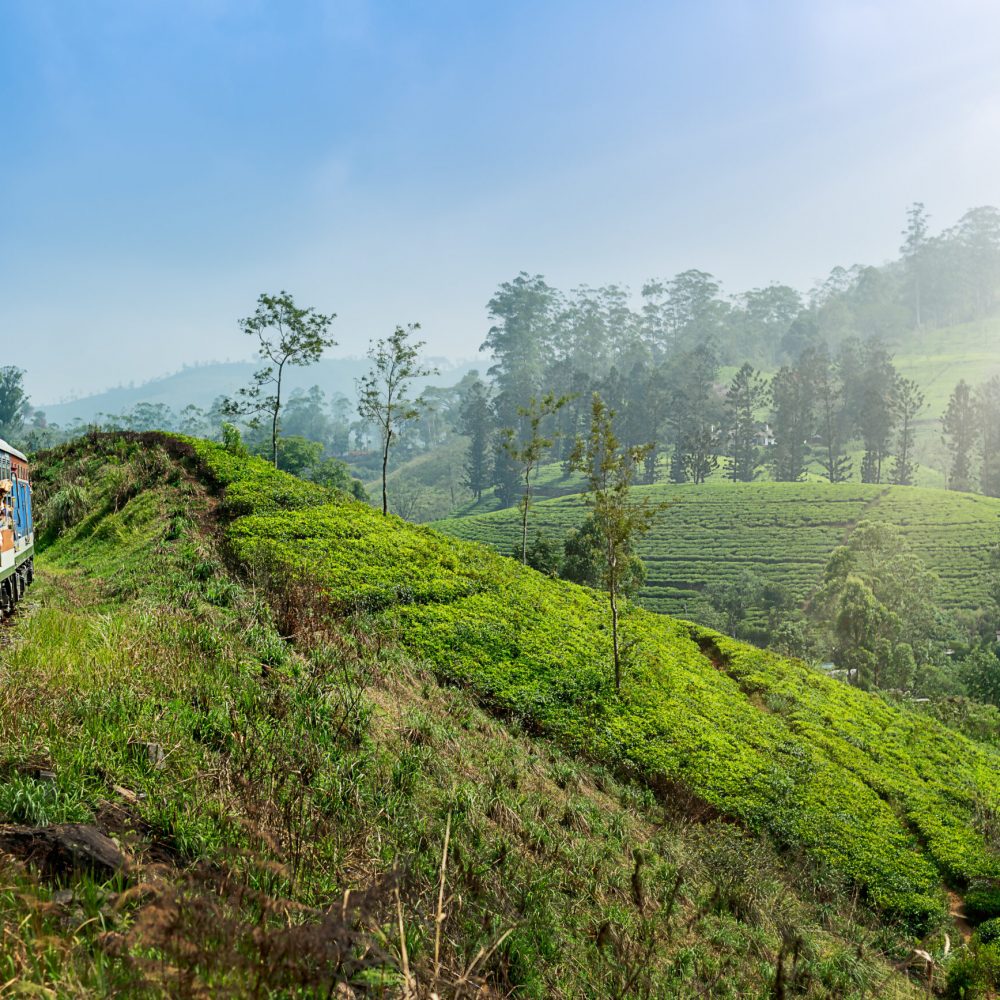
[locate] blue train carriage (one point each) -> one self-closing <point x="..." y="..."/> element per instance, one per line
<point x="17" y="528"/>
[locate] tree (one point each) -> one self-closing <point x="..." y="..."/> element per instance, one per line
<point x="877" y="604"/>
<point x="474" y="417"/>
<point x="699" y="449"/>
<point x="610" y="470"/>
<point x="13" y="400"/>
<point x="528" y="454"/>
<point x="978" y="237"/>
<point x="684" y="389"/>
<point x="765" y="320"/>
<point x="872" y="401"/>
<point x="913" y="252"/>
<point x="334" y="474"/>
<point x="908" y="401"/>
<point x="543" y="555"/>
<point x="583" y="560"/>
<point x="296" y="454"/>
<point x="747" y="393"/>
<point x="382" y="399"/>
<point x="792" y="416"/>
<point x="987" y="401"/>
<point x="306" y="415"/>
<point x="832" y="421"/>
<point x="734" y="598"/>
<point x="959" y="424"/>
<point x="286" y="335"/>
<point x="525" y="312"/>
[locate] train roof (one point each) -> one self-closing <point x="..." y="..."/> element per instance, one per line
<point x="11" y="450"/>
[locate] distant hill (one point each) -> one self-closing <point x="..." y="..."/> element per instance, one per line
<point x="784" y="532"/>
<point x="202" y="384"/>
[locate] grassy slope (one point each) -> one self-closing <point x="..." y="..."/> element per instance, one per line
<point x="938" y="359"/>
<point x="296" y="771"/>
<point x="432" y="482"/>
<point x="878" y="794"/>
<point x="782" y="531"/>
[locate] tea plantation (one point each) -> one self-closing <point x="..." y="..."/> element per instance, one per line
<point x="328" y="818"/>
<point x="898" y="805"/>
<point x="783" y="532"/>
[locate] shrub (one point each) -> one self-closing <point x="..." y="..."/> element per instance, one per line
<point x="66" y="508"/>
<point x="989" y="931"/>
<point x="982" y="902"/>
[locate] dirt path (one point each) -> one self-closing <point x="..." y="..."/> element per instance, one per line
<point x="956" y="910"/>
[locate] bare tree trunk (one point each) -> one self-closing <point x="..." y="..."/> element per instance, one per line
<point x="385" y="466"/>
<point x="614" y="638"/>
<point x="524" y="517"/>
<point x="274" y="418"/>
<point x="613" y="598"/>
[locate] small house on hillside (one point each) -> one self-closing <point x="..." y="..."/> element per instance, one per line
<point x="764" y="436"/>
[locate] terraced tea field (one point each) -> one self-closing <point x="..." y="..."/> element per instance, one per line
<point x="781" y="531"/>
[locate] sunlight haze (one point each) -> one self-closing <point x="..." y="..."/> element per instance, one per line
<point x="165" y="162"/>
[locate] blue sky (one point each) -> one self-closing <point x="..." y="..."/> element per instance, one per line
<point x="164" y="161"/>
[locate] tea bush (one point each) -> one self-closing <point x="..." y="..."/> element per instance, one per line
<point x="881" y="795"/>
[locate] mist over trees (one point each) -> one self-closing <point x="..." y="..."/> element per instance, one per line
<point x="681" y="363"/>
<point x="659" y="361"/>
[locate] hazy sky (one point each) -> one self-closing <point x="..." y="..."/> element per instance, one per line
<point x="164" y="161"/>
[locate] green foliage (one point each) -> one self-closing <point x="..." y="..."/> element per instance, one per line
<point x="297" y="454"/>
<point x="64" y="508"/>
<point x="294" y="770"/>
<point x="13" y="400"/>
<point x="974" y="974"/>
<point x="382" y="400"/>
<point x="619" y="519"/>
<point x="334" y="475"/>
<point x="542" y="555"/>
<point x="582" y="560"/>
<point x="527" y="454"/>
<point x="982" y="902"/>
<point x="989" y="931"/>
<point x="232" y="440"/>
<point x="876" y="604"/>
<point x="286" y="335"/>
<point x="881" y="795"/>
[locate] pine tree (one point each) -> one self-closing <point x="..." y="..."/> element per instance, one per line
<point x="475" y="423"/>
<point x="832" y="420"/>
<point x="873" y="402"/>
<point x="960" y="426"/>
<point x="747" y="393"/>
<point x="987" y="401"/>
<point x="908" y="401"/>
<point x="793" y="423"/>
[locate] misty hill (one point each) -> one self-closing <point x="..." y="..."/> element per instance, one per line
<point x="201" y="385"/>
<point x="431" y="699"/>
<point x="784" y="532"/>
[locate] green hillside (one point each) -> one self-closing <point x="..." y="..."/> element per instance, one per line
<point x="826" y="767"/>
<point x="937" y="359"/>
<point x="784" y="532"/>
<point x="678" y="839"/>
